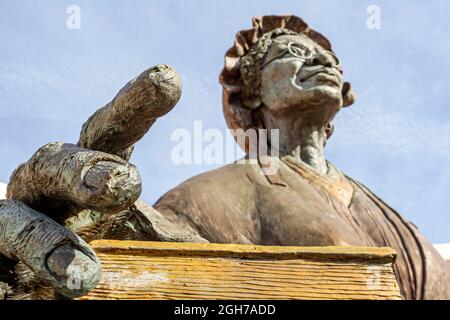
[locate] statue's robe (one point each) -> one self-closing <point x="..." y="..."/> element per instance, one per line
<point x="239" y="203"/>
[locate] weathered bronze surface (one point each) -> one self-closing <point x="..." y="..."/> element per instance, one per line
<point x="280" y="74"/>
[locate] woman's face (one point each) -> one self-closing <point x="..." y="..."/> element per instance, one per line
<point x="298" y="73"/>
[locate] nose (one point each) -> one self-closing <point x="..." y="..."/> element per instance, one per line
<point x="321" y="58"/>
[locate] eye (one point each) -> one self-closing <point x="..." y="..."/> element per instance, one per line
<point x="298" y="50"/>
<point x="334" y="58"/>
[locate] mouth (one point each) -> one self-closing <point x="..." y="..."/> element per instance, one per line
<point x="320" y="76"/>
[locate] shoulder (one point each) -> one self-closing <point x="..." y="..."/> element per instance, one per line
<point x="232" y="179"/>
<point x="219" y="204"/>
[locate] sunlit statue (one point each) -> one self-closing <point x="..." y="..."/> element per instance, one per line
<point x="281" y="74"/>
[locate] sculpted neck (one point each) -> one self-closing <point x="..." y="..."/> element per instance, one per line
<point x="302" y="137"/>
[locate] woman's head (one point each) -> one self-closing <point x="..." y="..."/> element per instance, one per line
<point x="283" y="65"/>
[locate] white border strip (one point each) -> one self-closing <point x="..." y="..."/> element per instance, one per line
<point x="2" y="190"/>
<point x="444" y="250"/>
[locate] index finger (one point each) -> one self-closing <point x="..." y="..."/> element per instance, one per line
<point x="116" y="127"/>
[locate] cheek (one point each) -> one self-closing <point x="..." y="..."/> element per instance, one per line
<point x="281" y="70"/>
<point x="278" y="84"/>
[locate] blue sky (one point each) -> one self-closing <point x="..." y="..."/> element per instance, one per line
<point x="395" y="138"/>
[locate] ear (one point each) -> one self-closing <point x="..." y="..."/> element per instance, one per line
<point x="329" y="129"/>
<point x="348" y="96"/>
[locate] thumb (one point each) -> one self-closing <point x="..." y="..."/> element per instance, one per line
<point x="55" y="254"/>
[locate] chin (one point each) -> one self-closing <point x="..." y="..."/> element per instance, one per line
<point x="324" y="95"/>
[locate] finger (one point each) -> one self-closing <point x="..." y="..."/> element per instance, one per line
<point x="55" y="255"/>
<point x="63" y="175"/>
<point x="116" y="127"/>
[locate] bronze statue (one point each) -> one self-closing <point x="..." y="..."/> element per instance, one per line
<point x="281" y="74"/>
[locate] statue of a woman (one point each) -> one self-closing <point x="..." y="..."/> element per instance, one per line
<point x="281" y="75"/>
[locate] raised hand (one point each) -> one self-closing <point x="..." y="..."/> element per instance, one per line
<point x="62" y="179"/>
